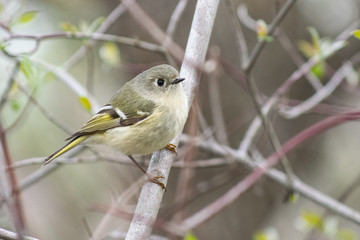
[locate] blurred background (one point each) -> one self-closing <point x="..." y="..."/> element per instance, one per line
<point x="75" y="197"/>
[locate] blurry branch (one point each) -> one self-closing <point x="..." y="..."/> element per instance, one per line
<point x="7" y="235"/>
<point x="320" y="95"/>
<point x="244" y="17"/>
<point x="9" y="84"/>
<point x="243" y="51"/>
<point x="39" y="174"/>
<point x="154" y="30"/>
<point x="186" y="174"/>
<point x="255" y="94"/>
<point x="256" y="123"/>
<point x="273" y="25"/>
<point x="70" y="81"/>
<point x="125" y="196"/>
<point x="262" y="167"/>
<point x="87" y="36"/>
<point x="161" y="161"/>
<point x="10" y="187"/>
<point x="285" y="86"/>
<point x="174" y="20"/>
<point x="109" y="21"/>
<point x="46" y="113"/>
<point x="212" y="71"/>
<point x="205" y="163"/>
<point x="297" y="59"/>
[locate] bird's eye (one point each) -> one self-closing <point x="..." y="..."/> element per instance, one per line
<point x="160" y="82"/>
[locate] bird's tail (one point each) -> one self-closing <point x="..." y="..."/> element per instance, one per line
<point x="74" y="142"/>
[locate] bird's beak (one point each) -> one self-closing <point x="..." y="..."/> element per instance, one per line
<point x="178" y="80"/>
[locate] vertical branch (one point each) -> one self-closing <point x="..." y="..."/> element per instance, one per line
<point x="151" y="194"/>
<point x="9" y="185"/>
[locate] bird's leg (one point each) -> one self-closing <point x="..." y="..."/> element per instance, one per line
<point x="151" y="178"/>
<point x="171" y="147"/>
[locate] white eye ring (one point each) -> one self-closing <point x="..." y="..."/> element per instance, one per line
<point x="160" y="82"/>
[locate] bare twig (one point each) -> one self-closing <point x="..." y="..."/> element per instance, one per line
<point x="110" y="20"/>
<point x="10" y="186"/>
<point x="297" y="59"/>
<point x="89" y="36"/>
<point x="264" y="168"/>
<point x="215" y="102"/>
<point x="255" y="95"/>
<point x="321" y="94"/>
<point x="243" y="51"/>
<point x="9" y="84"/>
<point x="174" y="20"/>
<point x="133" y="189"/>
<point x="70" y="81"/>
<point x="8" y="235"/>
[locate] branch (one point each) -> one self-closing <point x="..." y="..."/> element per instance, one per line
<point x="7" y="235"/>
<point x="10" y="186"/>
<point x="151" y="194"/>
<point x="110" y="20"/>
<point x="264" y="169"/>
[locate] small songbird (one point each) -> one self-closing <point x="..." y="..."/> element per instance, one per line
<point x="142" y="117"/>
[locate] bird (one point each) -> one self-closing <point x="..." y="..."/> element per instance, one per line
<point x="142" y="117"/>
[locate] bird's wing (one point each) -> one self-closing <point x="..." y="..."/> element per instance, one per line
<point x="123" y="111"/>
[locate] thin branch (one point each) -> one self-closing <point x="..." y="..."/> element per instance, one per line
<point x="70" y="81"/>
<point x="243" y="50"/>
<point x="10" y="186"/>
<point x="215" y="102"/>
<point x="90" y="36"/>
<point x="264" y="168"/>
<point x="321" y="94"/>
<point x="297" y="59"/>
<point x="173" y="22"/>
<point x="45" y="112"/>
<point x="109" y="21"/>
<point x="256" y="123"/>
<point x="8" y="235"/>
<point x="255" y="94"/>
<point x="260" y="45"/>
<point x="133" y="189"/>
<point x="9" y="84"/>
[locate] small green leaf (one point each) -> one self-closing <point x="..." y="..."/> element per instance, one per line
<point x="319" y="69"/>
<point x="15" y="105"/>
<point x="26" y="17"/>
<point x="32" y="72"/>
<point x="68" y="27"/>
<point x="1" y="7"/>
<point x="85" y="103"/>
<point x="260" y="236"/>
<point x="269" y="233"/>
<point x="110" y="54"/>
<point x="27" y="68"/>
<point x="190" y="236"/>
<point x="313" y="220"/>
<point x="346" y="234"/>
<point x="356" y="33"/>
<point x="293" y="198"/>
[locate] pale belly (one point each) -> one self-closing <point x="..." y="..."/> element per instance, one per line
<point x="143" y="138"/>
